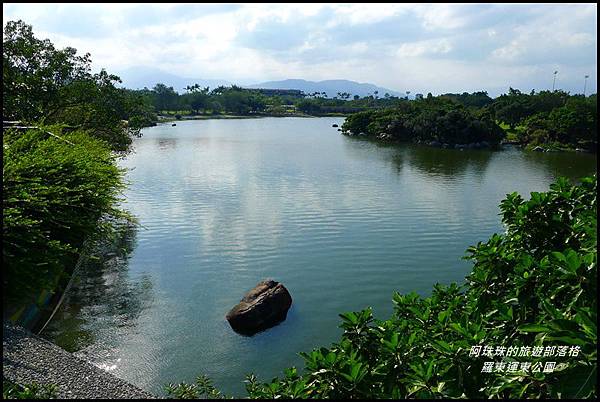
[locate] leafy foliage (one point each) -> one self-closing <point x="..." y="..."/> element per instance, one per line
<point x="476" y="99"/>
<point x="534" y="286"/>
<point x="553" y="119"/>
<point x="29" y="391"/>
<point x="203" y="388"/>
<point x="550" y="118"/>
<point x="573" y="124"/>
<point x="54" y="192"/>
<point x="59" y="178"/>
<point x="43" y="84"/>
<point x="432" y="119"/>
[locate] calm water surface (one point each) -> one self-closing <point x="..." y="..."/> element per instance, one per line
<point x="343" y="223"/>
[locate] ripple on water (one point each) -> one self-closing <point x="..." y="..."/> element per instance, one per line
<point x="342" y="223"/>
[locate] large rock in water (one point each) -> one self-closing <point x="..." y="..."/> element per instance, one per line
<point x="262" y="307"/>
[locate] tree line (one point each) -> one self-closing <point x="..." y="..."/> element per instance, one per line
<point x="433" y="120"/>
<point x="553" y="119"/>
<point x="198" y="100"/>
<point x="550" y="118"/>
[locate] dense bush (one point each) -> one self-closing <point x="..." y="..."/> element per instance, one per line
<point x="433" y="119"/>
<point x="552" y="119"/>
<point x="571" y="125"/>
<point x="29" y="391"/>
<point x="54" y="192"/>
<point x="555" y="119"/>
<point x="476" y="99"/>
<point x="533" y="286"/>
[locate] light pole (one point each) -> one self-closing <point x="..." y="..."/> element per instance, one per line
<point x="554" y="82"/>
<point x="584" y="84"/>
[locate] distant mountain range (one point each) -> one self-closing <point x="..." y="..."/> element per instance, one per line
<point x="140" y="77"/>
<point x="331" y="87"/>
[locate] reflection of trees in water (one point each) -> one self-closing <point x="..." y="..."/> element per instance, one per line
<point x="448" y="163"/>
<point x="166" y="143"/>
<point x="434" y="162"/>
<point x="370" y="149"/>
<point x="102" y="296"/>
<point x="554" y="164"/>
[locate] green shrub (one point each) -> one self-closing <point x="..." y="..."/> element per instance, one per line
<point x="436" y="119"/>
<point x="29" y="391"/>
<point x="534" y="286"/>
<point x="54" y="192"/>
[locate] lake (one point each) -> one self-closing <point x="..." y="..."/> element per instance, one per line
<point x="341" y="222"/>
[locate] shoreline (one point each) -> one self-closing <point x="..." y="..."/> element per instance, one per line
<point x="28" y="358"/>
<point x="170" y="119"/>
<point x="483" y="145"/>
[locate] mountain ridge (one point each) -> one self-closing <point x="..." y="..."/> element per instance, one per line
<point x="331" y="87"/>
<point x="140" y="77"/>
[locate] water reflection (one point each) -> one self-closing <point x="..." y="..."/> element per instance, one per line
<point x="102" y="296"/>
<point x="447" y="163"/>
<point x="166" y="143"/>
<point x="554" y="164"/>
<point x="341" y="222"/>
<point x="452" y="164"/>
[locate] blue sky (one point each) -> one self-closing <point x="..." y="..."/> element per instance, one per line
<point x="418" y="47"/>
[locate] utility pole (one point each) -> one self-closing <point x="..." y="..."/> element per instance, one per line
<point x="584" y="84"/>
<point x="554" y="82"/>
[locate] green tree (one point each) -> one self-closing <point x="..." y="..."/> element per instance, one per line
<point x="309" y="106"/>
<point x="511" y="108"/>
<point x="60" y="177"/>
<point x="165" y="97"/>
<point x="197" y="97"/>
<point x="438" y="119"/>
<point x="216" y="107"/>
<point x="46" y="85"/>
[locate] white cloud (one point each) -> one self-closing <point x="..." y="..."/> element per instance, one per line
<point x="441" y="16"/>
<point x="433" y="47"/>
<point x="509" y="52"/>
<point x="415" y="49"/>
<point x="356" y="14"/>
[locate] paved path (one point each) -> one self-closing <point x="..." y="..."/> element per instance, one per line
<point x="28" y="358"/>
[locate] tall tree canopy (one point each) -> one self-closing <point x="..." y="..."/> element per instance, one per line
<point x="47" y="85"/>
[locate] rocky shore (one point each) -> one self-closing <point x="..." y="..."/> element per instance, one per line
<point x="27" y="358"/>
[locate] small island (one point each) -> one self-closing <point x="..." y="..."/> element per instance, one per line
<point x="546" y="121"/>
